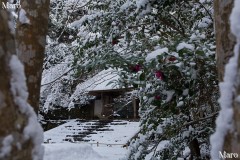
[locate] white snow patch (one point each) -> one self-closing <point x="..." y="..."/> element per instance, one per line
<point x="234" y="18"/>
<point x="141" y="3"/>
<point x="227" y="90"/>
<point x="186" y="151"/>
<point x="6" y="146"/>
<point x="205" y="22"/>
<point x="126" y="5"/>
<point x="155" y="53"/>
<point x="169" y="94"/>
<point x="160" y="147"/>
<point x="180" y="103"/>
<point x="33" y="129"/>
<point x="23" y="17"/>
<point x="71" y="151"/>
<point x="18" y="83"/>
<point x="185" y="45"/>
<point x="185" y="92"/>
<point x="159" y="129"/>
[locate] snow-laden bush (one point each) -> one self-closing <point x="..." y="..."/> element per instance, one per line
<point x="58" y="79"/>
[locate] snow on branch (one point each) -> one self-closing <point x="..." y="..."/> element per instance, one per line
<point x="33" y="129"/>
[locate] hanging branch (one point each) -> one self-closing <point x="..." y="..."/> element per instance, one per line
<point x="65" y="26"/>
<point x="58" y="77"/>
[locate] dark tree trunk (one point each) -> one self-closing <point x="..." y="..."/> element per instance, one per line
<point x="12" y="119"/>
<point x="225" y="42"/>
<point x="31" y="41"/>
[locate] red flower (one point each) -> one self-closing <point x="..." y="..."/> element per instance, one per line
<point x="172" y="58"/>
<point x="157" y="97"/>
<point x="115" y="41"/>
<point x="136" y="68"/>
<point x="159" y="75"/>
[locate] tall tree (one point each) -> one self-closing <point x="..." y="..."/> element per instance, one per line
<point x="226" y="136"/>
<point x="225" y="40"/>
<point x="31" y="33"/>
<point x="20" y="134"/>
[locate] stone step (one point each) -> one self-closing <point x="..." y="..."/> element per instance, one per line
<point x="89" y="128"/>
<point x="104" y="130"/>
<point x="118" y="123"/>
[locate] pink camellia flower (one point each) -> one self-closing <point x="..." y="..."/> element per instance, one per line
<point x="136" y="68"/>
<point x="172" y="58"/>
<point x="157" y="97"/>
<point x="159" y="75"/>
<point x="115" y="41"/>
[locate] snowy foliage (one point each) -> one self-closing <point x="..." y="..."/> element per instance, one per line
<point x="165" y="49"/>
<point x="58" y="82"/>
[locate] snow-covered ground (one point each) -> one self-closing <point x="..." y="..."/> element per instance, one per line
<point x="81" y="151"/>
<point x="110" y="138"/>
<point x="70" y="151"/>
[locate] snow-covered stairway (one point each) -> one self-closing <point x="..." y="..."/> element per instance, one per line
<point x="101" y="131"/>
<point x="86" y="129"/>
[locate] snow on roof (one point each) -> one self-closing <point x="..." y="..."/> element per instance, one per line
<point x="100" y="82"/>
<point x="104" y="80"/>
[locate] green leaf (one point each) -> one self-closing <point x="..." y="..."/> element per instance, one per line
<point x="200" y="52"/>
<point x="142" y="77"/>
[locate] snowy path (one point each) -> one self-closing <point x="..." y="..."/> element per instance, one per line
<point x="73" y="151"/>
<point x="116" y="133"/>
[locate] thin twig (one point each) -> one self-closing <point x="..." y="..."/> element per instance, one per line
<point x="167" y="23"/>
<point x="206" y="10"/>
<point x="201" y="119"/>
<point x="57" y="78"/>
<point x="65" y="26"/>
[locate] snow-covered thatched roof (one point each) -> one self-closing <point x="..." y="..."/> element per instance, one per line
<point x="104" y="80"/>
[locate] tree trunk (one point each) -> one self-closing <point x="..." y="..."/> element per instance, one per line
<point x="17" y="141"/>
<point x="225" y="43"/>
<point x="31" y="34"/>
<point x="225" y="40"/>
